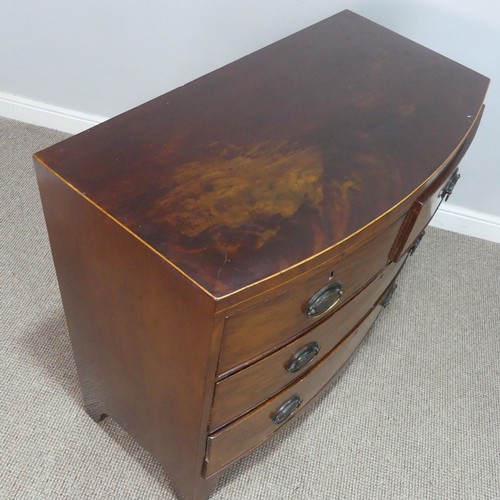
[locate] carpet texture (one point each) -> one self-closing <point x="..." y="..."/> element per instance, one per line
<point x="416" y="415"/>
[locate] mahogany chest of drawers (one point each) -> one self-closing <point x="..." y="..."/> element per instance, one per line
<point x="223" y="249"/>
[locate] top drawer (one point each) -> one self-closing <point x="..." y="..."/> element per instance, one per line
<point x="267" y="325"/>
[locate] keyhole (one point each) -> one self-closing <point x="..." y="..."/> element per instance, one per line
<point x="331" y="275"/>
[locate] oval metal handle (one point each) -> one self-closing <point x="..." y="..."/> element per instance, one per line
<point x="302" y="357"/>
<point x="324" y="300"/>
<point x="286" y="410"/>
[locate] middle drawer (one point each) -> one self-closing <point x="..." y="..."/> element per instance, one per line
<point x="246" y="389"/>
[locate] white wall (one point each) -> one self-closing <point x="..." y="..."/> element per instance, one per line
<point x="98" y="58"/>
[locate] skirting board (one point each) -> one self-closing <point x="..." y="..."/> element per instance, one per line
<point x="450" y="217"/>
<point x="46" y="115"/>
<point x="469" y="222"/>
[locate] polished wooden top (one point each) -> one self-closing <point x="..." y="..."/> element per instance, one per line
<point x="278" y="156"/>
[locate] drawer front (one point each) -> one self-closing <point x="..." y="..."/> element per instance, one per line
<point x="244" y="390"/>
<point x="267" y="326"/>
<point x="233" y="441"/>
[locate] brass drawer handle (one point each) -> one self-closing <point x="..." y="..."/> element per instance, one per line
<point x="324" y="300"/>
<point x="449" y="186"/>
<point x="302" y="357"/>
<point x="286" y="410"/>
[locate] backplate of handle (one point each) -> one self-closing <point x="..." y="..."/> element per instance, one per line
<point x="303" y="357"/>
<point x="286" y="410"/>
<point x="449" y="186"/>
<point x="324" y="300"/>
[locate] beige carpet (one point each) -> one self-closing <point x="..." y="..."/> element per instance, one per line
<point x="415" y="416"/>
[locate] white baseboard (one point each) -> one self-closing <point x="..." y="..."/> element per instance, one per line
<point x="450" y="217"/>
<point x="469" y="222"/>
<point x="46" y="115"/>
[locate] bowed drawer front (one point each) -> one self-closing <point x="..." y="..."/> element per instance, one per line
<point x="234" y="440"/>
<point x="223" y="249"/>
<point x="239" y="393"/>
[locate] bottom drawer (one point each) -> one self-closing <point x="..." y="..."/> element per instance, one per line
<point x="233" y="441"/>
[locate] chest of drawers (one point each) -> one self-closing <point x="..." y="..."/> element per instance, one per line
<point x="223" y="249"/>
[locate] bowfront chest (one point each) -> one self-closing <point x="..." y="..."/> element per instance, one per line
<point x="222" y="250"/>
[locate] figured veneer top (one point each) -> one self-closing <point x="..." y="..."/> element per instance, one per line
<point x="278" y="156"/>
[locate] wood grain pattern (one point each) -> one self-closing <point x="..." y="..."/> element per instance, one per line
<point x="306" y="140"/>
<point x="126" y="309"/>
<point x="427" y="203"/>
